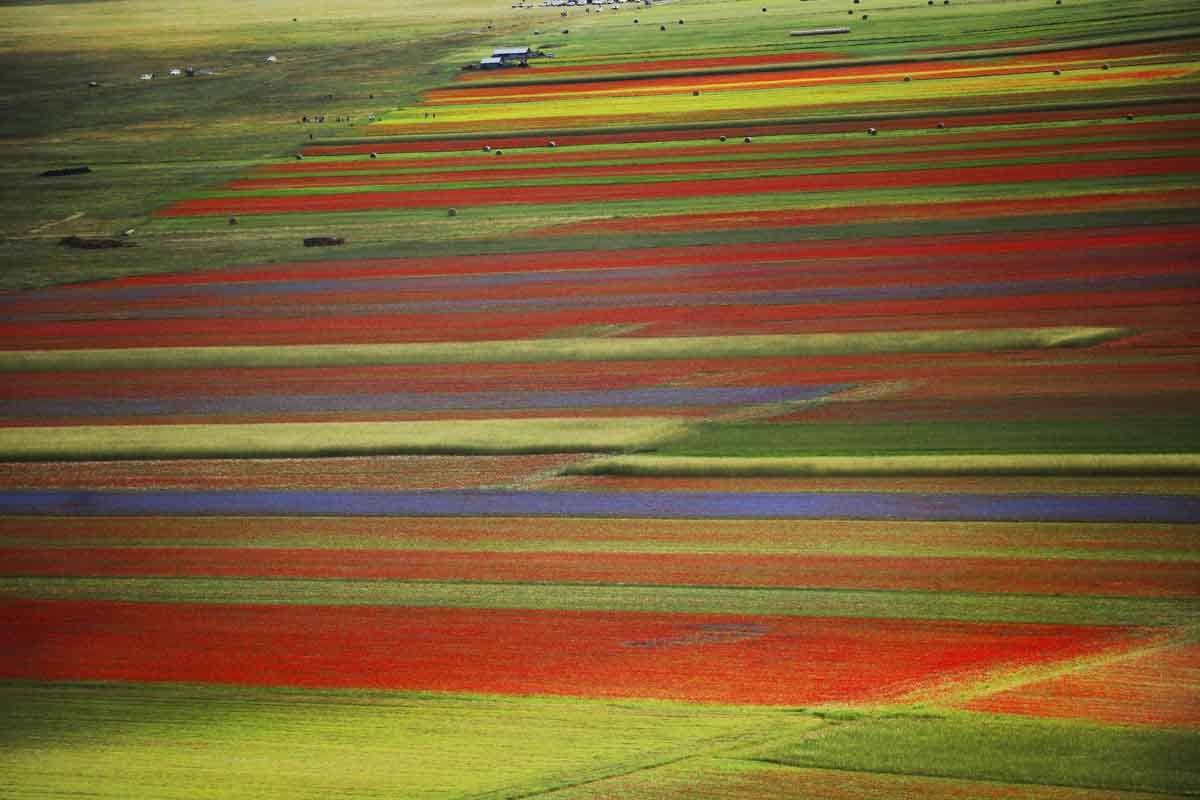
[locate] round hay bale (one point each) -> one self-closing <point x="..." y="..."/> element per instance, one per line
<point x="723" y="138"/>
<point x="233" y="220"/>
<point x="1104" y="66"/>
<point x="865" y="16"/>
<point x="635" y="20"/>
<point x="941" y="125"/>
<point x="499" y="152"/>
<point x="1057" y="72"/>
<point x="299" y="156"/>
<point x="1129" y="116"/>
<point x="747" y="140"/>
<point x="662" y="27"/>
<point x="764" y="9"/>
<point x="374" y="155"/>
<point x="872" y="131"/>
<point x="552" y="143"/>
<point x="695" y="92"/>
<point x="487" y="148"/>
<point x="680" y="22"/>
<point x="908" y="78"/>
<point x="851" y="12"/>
<point x="453" y="212"/>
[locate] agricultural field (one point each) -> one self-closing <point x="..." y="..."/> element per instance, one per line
<point x="754" y="400"/>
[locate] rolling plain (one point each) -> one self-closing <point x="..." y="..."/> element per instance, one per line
<point x="722" y="408"/>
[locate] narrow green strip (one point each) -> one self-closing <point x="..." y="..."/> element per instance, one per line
<point x="538" y="350"/>
<point x="286" y="439"/>
<point x="660" y="599"/>
<point x="826" y="466"/>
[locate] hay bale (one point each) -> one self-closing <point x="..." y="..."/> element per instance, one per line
<point x="941" y="125"/>
<point x="233" y="221"/>
<point x="723" y="138"/>
<point x="299" y="156"/>
<point x="865" y="16"/>
<point x="1104" y="66"/>
<point x="680" y="22"/>
<point x="908" y="78"/>
<point x="487" y="148"/>
<point x="565" y="30"/>
<point x="552" y="143"/>
<point x="374" y="155"/>
<point x="695" y="92"/>
<point x="1129" y="116"/>
<point x="872" y="131"/>
<point x="1057" y="72"/>
<point x="453" y="212"/>
<point x="662" y="27"/>
<point x="747" y="140"/>
<point x="499" y="152"/>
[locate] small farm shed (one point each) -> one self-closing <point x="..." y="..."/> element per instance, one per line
<point x="507" y="54"/>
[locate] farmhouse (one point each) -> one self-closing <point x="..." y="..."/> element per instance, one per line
<point x="503" y="57"/>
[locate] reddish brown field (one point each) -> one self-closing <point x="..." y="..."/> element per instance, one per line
<point x="1111" y="201"/>
<point x="378" y="472"/>
<point x="995" y="575"/>
<point x="702" y="168"/>
<point x="567" y="193"/>
<point x="1160" y="688"/>
<point x="697" y="657"/>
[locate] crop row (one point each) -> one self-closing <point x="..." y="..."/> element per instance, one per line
<point x="1093" y="577"/>
<point x="701" y="658"/>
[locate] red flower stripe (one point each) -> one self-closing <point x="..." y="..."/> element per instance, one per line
<point x="697" y="657"/>
<point x="567" y="193"/>
<point x="1053" y="152"/>
<point x="1134" y="240"/>
<point x="728" y="319"/>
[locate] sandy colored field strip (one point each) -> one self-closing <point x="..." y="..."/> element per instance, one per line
<point x="1108" y="541"/>
<point x="950" y="341"/>
<point x="880" y="465"/>
<point x="704" y="658"/>
<point x="540" y="435"/>
<point x="369" y="472"/>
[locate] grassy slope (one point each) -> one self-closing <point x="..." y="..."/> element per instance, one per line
<point x="149" y="142"/>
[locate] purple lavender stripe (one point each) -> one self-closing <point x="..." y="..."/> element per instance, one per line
<point x="654" y="505"/>
<point x="411" y="401"/>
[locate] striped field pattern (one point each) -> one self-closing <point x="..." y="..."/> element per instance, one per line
<point x="736" y="451"/>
